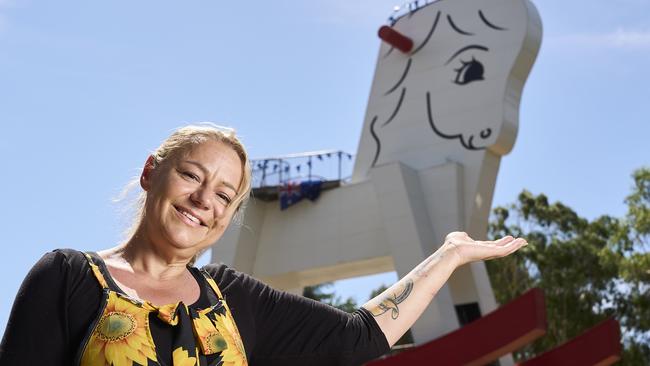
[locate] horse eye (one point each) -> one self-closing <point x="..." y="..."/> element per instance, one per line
<point x="468" y="72"/>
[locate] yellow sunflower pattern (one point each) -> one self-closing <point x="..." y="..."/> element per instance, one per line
<point x="121" y="337"/>
<point x="167" y="313"/>
<point x="234" y="354"/>
<point x="96" y="272"/>
<point x="220" y="335"/>
<point x="209" y="338"/>
<point x="181" y="357"/>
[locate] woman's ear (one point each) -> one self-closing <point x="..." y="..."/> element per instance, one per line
<point x="145" y="177"/>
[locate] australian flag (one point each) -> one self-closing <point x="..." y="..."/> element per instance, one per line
<point x="292" y="193"/>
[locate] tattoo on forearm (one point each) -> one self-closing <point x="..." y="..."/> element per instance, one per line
<point x="390" y="302"/>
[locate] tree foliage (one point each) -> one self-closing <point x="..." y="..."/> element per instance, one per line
<point x="319" y="293"/>
<point x="589" y="269"/>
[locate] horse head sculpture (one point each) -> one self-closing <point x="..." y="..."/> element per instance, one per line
<point x="455" y="91"/>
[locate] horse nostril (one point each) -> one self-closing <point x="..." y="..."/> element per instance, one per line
<point x="485" y="133"/>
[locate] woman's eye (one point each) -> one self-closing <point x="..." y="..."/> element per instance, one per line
<point x="468" y="72"/>
<point x="190" y="175"/>
<point x="224" y="198"/>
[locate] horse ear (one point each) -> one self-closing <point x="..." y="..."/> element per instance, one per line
<point x="395" y="39"/>
<point x="145" y="177"/>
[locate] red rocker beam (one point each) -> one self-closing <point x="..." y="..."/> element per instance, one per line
<point x="484" y="340"/>
<point x="600" y="345"/>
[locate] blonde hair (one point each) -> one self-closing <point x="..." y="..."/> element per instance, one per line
<point x="179" y="142"/>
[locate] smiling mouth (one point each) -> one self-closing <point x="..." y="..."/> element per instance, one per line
<point x="191" y="219"/>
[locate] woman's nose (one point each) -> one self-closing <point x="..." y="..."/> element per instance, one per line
<point x="201" y="198"/>
<point x="204" y="199"/>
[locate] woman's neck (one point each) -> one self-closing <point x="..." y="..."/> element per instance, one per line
<point x="143" y="257"/>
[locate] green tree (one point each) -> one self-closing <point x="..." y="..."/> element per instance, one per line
<point x="589" y="269"/>
<point x="376" y="292"/>
<point x="319" y="293"/>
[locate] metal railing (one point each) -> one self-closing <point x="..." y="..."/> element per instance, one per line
<point x="407" y="8"/>
<point x="325" y="165"/>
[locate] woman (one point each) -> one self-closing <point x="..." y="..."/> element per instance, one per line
<point x="143" y="303"/>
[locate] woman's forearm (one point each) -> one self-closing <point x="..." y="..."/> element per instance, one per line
<point x="397" y="308"/>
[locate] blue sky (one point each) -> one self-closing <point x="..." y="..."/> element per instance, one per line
<point x="88" y="88"/>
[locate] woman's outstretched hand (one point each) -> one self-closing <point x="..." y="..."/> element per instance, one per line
<point x="469" y="250"/>
<point x="397" y="308"/>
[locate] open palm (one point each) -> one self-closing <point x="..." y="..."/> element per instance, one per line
<point x="469" y="250"/>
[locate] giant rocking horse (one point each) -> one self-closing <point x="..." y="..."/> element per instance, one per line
<point x="443" y="110"/>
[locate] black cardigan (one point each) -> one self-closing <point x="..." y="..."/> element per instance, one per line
<point x="60" y="297"/>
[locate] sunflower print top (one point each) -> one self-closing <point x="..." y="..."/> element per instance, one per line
<point x="121" y="335"/>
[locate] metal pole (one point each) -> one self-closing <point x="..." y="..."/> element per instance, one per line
<point x="264" y="173"/>
<point x="340" y="153"/>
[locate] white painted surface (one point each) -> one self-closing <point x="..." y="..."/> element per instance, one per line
<point x="416" y="185"/>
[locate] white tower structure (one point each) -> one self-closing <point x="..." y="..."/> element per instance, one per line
<point x="441" y="113"/>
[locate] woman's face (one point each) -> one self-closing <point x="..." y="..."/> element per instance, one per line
<point x="188" y="197"/>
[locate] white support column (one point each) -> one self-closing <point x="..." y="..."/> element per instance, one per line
<point x="411" y="240"/>
<point x="238" y="245"/>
